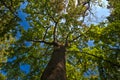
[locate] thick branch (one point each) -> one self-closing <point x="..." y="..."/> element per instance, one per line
<point x="87" y="8"/>
<point x="49" y="43"/>
<point x="55" y="32"/>
<point x="55" y="27"/>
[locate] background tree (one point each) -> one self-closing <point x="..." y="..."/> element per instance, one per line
<point x="107" y="42"/>
<point x="8" y="22"/>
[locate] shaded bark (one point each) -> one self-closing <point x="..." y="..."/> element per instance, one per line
<point x="55" y="69"/>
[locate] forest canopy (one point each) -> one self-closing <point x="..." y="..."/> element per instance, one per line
<point x="56" y="44"/>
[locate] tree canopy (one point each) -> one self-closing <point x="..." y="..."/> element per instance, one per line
<point x="55" y="46"/>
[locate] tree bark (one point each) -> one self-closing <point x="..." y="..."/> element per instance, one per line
<point x="56" y="69"/>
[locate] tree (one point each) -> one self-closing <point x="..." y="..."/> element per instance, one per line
<point x="58" y="36"/>
<point x="8" y="23"/>
<point x="2" y="77"/>
<point x="107" y="41"/>
<point x="52" y="21"/>
<point x="8" y="16"/>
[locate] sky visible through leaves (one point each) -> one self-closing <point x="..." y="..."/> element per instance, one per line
<point x="101" y="13"/>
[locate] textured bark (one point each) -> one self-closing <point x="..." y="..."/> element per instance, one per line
<point x="55" y="69"/>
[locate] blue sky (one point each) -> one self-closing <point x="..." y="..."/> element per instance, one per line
<point x="100" y="13"/>
<point x="23" y="15"/>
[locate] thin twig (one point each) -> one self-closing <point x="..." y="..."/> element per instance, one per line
<point x="9" y="7"/>
<point x="45" y="33"/>
<point x="101" y="58"/>
<point x="80" y="35"/>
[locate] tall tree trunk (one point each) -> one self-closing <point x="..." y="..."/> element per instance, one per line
<point x="56" y="69"/>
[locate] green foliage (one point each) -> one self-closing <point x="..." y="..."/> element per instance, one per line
<point x="50" y="19"/>
<point x="2" y="77"/>
<point x="8" y="23"/>
<point x="8" y="15"/>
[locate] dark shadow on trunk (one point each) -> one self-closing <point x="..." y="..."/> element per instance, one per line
<point x="55" y="69"/>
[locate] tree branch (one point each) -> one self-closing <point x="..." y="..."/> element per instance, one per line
<point x="80" y="35"/>
<point x="66" y="39"/>
<point x="49" y="43"/>
<point x="45" y="33"/>
<point x="114" y="64"/>
<point x="101" y="58"/>
<point x="9" y="7"/>
<point x="87" y="8"/>
<point x="55" y="28"/>
<point x="55" y="32"/>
